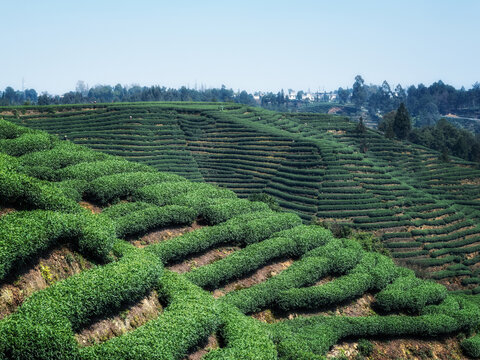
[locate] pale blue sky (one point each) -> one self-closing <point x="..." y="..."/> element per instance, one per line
<point x="254" y="45"/>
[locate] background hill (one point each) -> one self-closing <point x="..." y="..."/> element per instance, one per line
<point x="426" y="211"/>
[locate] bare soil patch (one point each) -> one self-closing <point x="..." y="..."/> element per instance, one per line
<point x="165" y="234"/>
<point x="201" y="350"/>
<point x="94" y="209"/>
<point x="441" y="348"/>
<point x="6" y="210"/>
<point x="205" y="258"/>
<point x="129" y="319"/>
<point x="57" y="265"/>
<point x="256" y="277"/>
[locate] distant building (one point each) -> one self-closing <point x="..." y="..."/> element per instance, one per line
<point x="291" y="94"/>
<point x="308" y="96"/>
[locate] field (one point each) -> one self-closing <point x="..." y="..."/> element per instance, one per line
<point x="102" y="258"/>
<point x="318" y="166"/>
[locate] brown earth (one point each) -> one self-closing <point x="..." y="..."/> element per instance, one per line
<point x="57" y="265"/>
<point x="259" y="276"/>
<point x="131" y="318"/>
<point x="6" y="210"/>
<point x="89" y="206"/>
<point x="445" y="348"/>
<point x="203" y="349"/>
<point x="205" y="258"/>
<point x="165" y="234"/>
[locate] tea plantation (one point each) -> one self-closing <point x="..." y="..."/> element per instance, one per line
<point x="318" y="166"/>
<point x="54" y="193"/>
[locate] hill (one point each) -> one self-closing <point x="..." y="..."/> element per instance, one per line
<point x="110" y="259"/>
<point x="424" y="210"/>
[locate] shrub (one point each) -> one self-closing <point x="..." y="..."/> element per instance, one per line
<point x="365" y="347"/>
<point x="471" y="346"/>
<point x="110" y="188"/>
<point x="243" y="229"/>
<point x="9" y="130"/>
<point x="243" y="261"/>
<point x="25" y="191"/>
<point x="92" y="170"/>
<point x="225" y="209"/>
<point x="267" y="199"/>
<point x="27" y="143"/>
<point x="27" y="234"/>
<point x="143" y="220"/>
<point x="245" y="338"/>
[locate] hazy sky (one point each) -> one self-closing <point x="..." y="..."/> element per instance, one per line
<point x="254" y="45"/>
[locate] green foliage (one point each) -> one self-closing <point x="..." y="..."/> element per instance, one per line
<point x="245" y="338"/>
<point x="44" y="164"/>
<point x="242" y="230"/>
<point x="370" y="242"/>
<point x="95" y="169"/>
<point x="410" y="293"/>
<point x="288" y="243"/>
<point x="471" y="346"/>
<point x="335" y="257"/>
<point x="111" y="188"/>
<point x="27" y="143"/>
<point x="143" y="220"/>
<point x="27" y="234"/>
<point x="338" y="230"/>
<point x="225" y="209"/>
<point x="9" y="130"/>
<point x="365" y="347"/>
<point x="27" y="192"/>
<point x="267" y="199"/>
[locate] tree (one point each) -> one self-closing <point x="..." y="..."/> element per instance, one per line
<point x="444" y="155"/>
<point x="359" y="93"/>
<point x="428" y="115"/>
<point x="386" y="125"/>
<point x="402" y="124"/>
<point x="342" y="95"/>
<point x="361" y="129"/>
<point x="81" y="88"/>
<point x="44" y="99"/>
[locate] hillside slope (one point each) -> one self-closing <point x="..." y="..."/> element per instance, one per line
<point x="425" y="211"/>
<point x="173" y="265"/>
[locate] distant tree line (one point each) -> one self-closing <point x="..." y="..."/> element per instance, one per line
<point x="449" y="140"/>
<point x="119" y="93"/>
<point x="442" y="136"/>
<point x="425" y="104"/>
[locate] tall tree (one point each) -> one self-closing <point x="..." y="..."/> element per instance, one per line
<point x="359" y="93"/>
<point x="343" y="95"/>
<point x="402" y="124"/>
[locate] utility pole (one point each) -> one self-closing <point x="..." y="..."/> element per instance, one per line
<point x="23" y="84"/>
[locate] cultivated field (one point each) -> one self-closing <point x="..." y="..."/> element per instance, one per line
<point x="318" y="166"/>
<point x="102" y="258"/>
